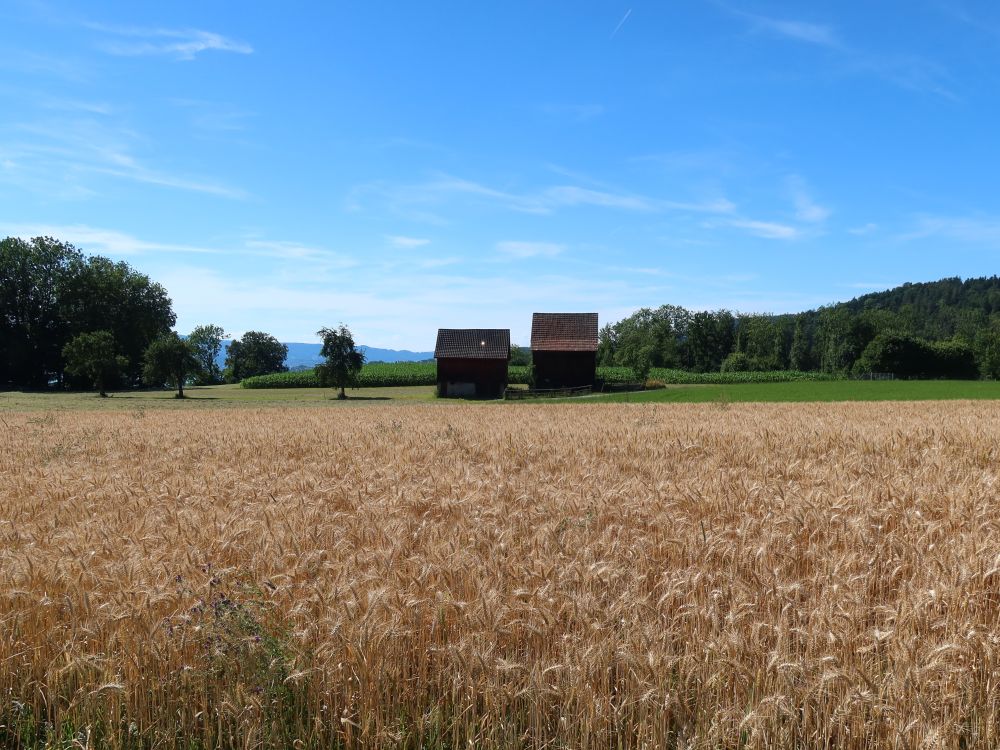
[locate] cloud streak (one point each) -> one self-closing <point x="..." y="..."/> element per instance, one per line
<point x="180" y="44"/>
<point x="414" y="200"/>
<point x="397" y="240"/>
<point x="100" y="241"/>
<point x="983" y="230"/>
<point x="521" y="250"/>
<point x="905" y="71"/>
<point x="768" y="230"/>
<point x="800" y="31"/>
<point x="46" y="152"/>
<point x="806" y="209"/>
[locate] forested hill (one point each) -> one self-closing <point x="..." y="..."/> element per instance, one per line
<point x="939" y="307"/>
<point x="946" y="328"/>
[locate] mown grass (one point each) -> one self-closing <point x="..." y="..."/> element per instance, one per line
<point x="832" y="390"/>
<point x="225" y="396"/>
<point x="210" y="397"/>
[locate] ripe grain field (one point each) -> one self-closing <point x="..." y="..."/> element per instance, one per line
<point x="585" y="576"/>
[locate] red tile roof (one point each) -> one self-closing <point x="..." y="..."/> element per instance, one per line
<point x="564" y="332"/>
<point x="472" y="343"/>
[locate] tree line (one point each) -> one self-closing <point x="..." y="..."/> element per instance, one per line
<point x="74" y="321"/>
<point x="942" y="329"/>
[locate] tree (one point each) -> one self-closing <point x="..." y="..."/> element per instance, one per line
<point x="207" y="343"/>
<point x="738" y="362"/>
<point x="50" y="293"/>
<point x="256" y="353"/>
<point x="94" y="357"/>
<point x="640" y="360"/>
<point x="988" y="353"/>
<point x="343" y="361"/>
<point x="104" y="295"/>
<point x="798" y="357"/>
<point x="170" y="360"/>
<point x="519" y="356"/>
<point x="33" y="275"/>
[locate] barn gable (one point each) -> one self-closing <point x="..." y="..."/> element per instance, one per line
<point x="473" y="343"/>
<point x="564" y="332"/>
<point x="564" y="349"/>
<point x="472" y="361"/>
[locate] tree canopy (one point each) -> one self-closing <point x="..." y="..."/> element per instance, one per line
<point x="951" y="327"/>
<point x="255" y="353"/>
<point x="94" y="358"/>
<point x="51" y="293"/>
<point x="207" y="343"/>
<point x="170" y="360"/>
<point x="342" y="361"/>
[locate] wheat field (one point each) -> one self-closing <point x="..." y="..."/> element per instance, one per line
<point x="603" y="576"/>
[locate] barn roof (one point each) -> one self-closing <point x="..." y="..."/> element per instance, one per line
<point x="473" y="343"/>
<point x="564" y="332"/>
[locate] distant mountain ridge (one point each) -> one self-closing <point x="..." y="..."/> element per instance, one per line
<point x="307" y="355"/>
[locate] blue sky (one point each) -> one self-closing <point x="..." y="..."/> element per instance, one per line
<point x="407" y="166"/>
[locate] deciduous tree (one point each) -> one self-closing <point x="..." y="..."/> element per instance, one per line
<point x="342" y="362"/>
<point x="255" y="353"/>
<point x="95" y="358"/>
<point x="170" y="360"/>
<point x="207" y="343"/>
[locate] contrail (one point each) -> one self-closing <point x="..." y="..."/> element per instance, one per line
<point x="621" y="23"/>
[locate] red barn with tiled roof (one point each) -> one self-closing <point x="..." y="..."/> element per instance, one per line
<point x="564" y="349"/>
<point x="472" y="362"/>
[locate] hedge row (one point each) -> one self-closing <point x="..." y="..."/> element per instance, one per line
<point x="424" y="373"/>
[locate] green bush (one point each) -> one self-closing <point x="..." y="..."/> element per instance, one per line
<point x="737" y="362"/>
<point x="912" y="357"/>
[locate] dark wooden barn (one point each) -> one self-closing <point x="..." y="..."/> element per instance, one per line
<point x="564" y="349"/>
<point x="472" y="362"/>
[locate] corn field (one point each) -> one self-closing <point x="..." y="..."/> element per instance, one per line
<point x="558" y="576"/>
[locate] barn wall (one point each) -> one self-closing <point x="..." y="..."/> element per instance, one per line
<point x="487" y="376"/>
<point x="564" y="369"/>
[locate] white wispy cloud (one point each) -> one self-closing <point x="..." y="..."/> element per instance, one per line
<point x="75" y="105"/>
<point x="417" y="200"/>
<point x="905" y="71"/>
<point x="570" y="195"/>
<point x="116" y="243"/>
<point x="32" y="63"/>
<point x="398" y="240"/>
<point x="516" y="249"/>
<point x="801" y="31"/>
<point x="50" y="152"/>
<point x="768" y="230"/>
<point x="864" y="229"/>
<point x="100" y="241"/>
<point x="296" y="251"/>
<point x="967" y="229"/>
<point x="181" y="44"/>
<point x="806" y="209"/>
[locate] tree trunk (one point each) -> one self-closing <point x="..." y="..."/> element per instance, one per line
<point x="342" y="394"/>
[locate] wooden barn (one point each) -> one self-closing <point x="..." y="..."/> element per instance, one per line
<point x="472" y="362"/>
<point x="564" y="349"/>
